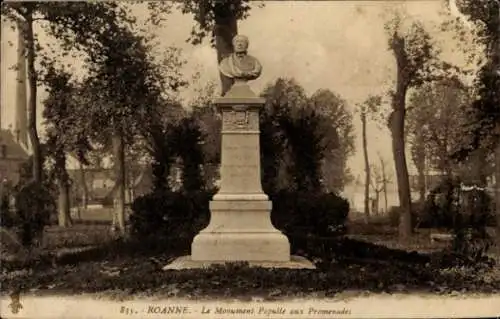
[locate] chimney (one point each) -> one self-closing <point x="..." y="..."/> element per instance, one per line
<point x="21" y="117"/>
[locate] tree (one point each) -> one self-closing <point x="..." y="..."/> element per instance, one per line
<point x="415" y="58"/>
<point x="283" y="97"/>
<point x="206" y="115"/>
<point x="436" y="113"/>
<point x="386" y="178"/>
<point x="300" y="135"/>
<point x="127" y="87"/>
<point x="79" y="25"/>
<point x="306" y="137"/>
<point x="484" y="127"/>
<point x="334" y="169"/>
<point x="418" y="133"/>
<point x="365" y="109"/>
<point x="125" y="82"/>
<point x="164" y="118"/>
<point x="65" y="133"/>
<point x="186" y="140"/>
<point x="62" y="21"/>
<point x="377" y="185"/>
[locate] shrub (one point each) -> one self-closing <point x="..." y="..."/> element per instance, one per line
<point x="466" y="212"/>
<point x="7" y="217"/>
<point x="473" y="214"/>
<point x="34" y="206"/>
<point x="395" y="211"/>
<point x="167" y="213"/>
<point x="303" y="215"/>
<point x="299" y="215"/>
<point x="443" y="205"/>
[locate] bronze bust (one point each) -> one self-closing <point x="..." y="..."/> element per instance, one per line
<point x="239" y="65"/>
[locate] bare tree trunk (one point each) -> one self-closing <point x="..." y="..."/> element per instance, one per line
<point x="367" y="167"/>
<point x="32" y="79"/>
<point x="225" y="29"/>
<point x="397" y="128"/>
<point x="377" y="200"/>
<point x="83" y="179"/>
<point x="384" y="184"/>
<point x="419" y="160"/>
<point x="119" y="209"/>
<point x="396" y="124"/>
<point x="64" y="210"/>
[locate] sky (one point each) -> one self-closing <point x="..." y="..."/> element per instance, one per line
<point x="336" y="45"/>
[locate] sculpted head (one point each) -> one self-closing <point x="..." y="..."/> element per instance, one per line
<point x="240" y="43"/>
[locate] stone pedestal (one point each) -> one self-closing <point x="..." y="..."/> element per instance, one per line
<point x="240" y="227"/>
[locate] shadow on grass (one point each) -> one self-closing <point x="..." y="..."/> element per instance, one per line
<point x="342" y="264"/>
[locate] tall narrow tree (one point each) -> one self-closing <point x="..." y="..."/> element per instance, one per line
<point x="385" y="180"/>
<point x="366" y="109"/>
<point x="414" y="54"/>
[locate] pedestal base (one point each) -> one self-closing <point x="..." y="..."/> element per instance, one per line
<point x="185" y="262"/>
<point x="240" y="230"/>
<point x="243" y="246"/>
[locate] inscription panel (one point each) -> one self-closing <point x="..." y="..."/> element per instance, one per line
<point x="235" y="120"/>
<point x="240" y="170"/>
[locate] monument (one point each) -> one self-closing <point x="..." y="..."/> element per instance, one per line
<point x="240" y="227"/>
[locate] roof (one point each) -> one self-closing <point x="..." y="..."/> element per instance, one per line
<point x="13" y="150"/>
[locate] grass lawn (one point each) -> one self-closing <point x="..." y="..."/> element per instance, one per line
<point x="350" y="263"/>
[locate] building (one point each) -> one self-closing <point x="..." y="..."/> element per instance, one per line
<point x="100" y="187"/>
<point x="12" y="156"/>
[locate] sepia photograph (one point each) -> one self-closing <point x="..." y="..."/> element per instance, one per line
<point x="250" y="159"/>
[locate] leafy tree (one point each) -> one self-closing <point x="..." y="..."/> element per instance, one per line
<point x="283" y="98"/>
<point x="124" y="81"/>
<point x="436" y="114"/>
<point x="64" y="131"/>
<point x="62" y="20"/>
<point x="157" y="142"/>
<point x="484" y="127"/>
<point x="417" y="133"/>
<point x="126" y="89"/>
<point x="185" y="138"/>
<point x="306" y="143"/>
<point x="299" y="134"/>
<point x="335" y="172"/>
<point x="79" y="25"/>
<point x="416" y="62"/>
<point x="210" y="124"/>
